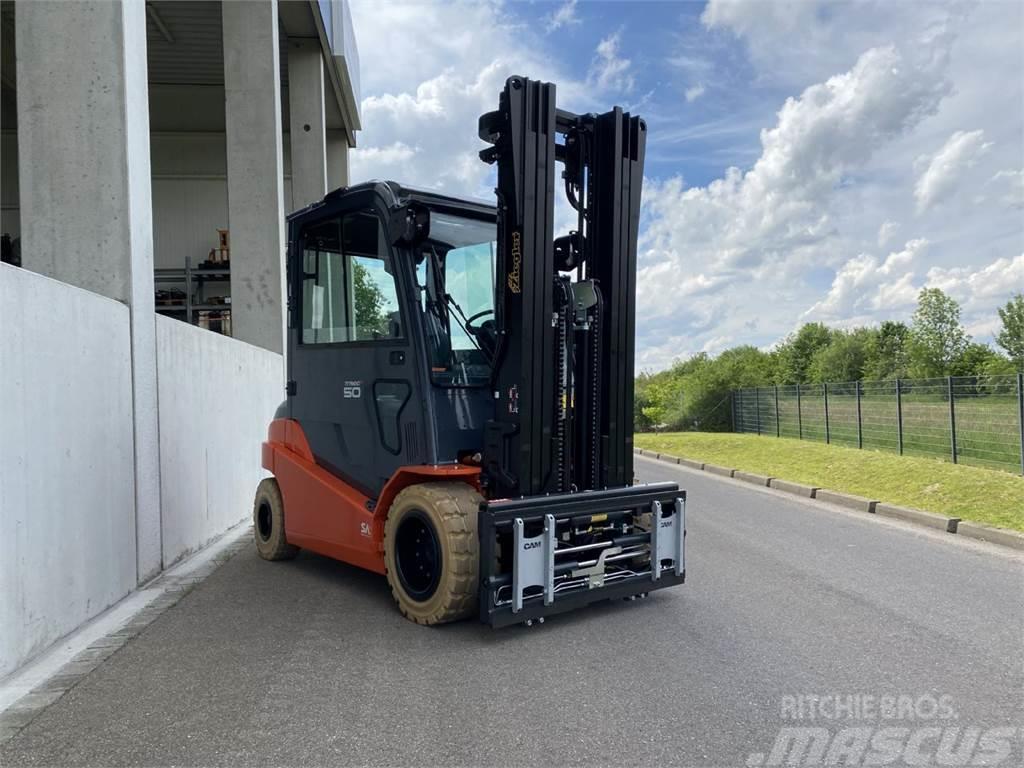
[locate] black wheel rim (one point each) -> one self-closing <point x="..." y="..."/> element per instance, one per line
<point x="418" y="556"/>
<point x="264" y="521"/>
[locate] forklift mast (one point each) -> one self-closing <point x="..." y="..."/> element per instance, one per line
<point x="565" y="308"/>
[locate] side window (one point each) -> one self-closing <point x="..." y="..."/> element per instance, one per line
<point x="348" y="284"/>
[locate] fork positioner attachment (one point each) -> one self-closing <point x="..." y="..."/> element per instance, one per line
<point x="532" y="566"/>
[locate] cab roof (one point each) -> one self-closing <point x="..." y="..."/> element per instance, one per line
<point x="396" y="195"/>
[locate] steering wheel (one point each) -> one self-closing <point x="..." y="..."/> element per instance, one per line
<point x="469" y="320"/>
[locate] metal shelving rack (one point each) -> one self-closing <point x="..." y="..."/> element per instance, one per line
<point x="194" y="279"/>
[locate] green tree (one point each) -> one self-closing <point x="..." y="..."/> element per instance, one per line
<point x="845" y="357"/>
<point x="694" y="393"/>
<point x="998" y="365"/>
<point x="708" y="388"/>
<point x="796" y="353"/>
<point x="976" y="360"/>
<point x="371" y="320"/>
<point x="657" y="409"/>
<point x="888" y="352"/>
<point x="641" y="400"/>
<point x="937" y="340"/>
<point x="1011" y="335"/>
<point x="664" y="393"/>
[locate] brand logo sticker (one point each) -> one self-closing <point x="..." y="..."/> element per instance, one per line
<point x="516" y="273"/>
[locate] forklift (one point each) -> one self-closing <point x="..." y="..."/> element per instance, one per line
<point x="459" y="412"/>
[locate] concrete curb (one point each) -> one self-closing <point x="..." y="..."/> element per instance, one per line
<point x="992" y="535"/>
<point x="955" y="525"/>
<point x="670" y="458"/>
<point x="173" y="589"/>
<point x="714" y="469"/>
<point x="919" y="516"/>
<point x="750" y="477"/>
<point x="798" y="489"/>
<point x="847" y="500"/>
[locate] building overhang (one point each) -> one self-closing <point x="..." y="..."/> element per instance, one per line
<point x="330" y="21"/>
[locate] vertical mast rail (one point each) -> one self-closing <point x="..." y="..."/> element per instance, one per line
<point x="558" y="428"/>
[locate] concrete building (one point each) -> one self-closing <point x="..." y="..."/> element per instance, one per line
<point x="132" y="132"/>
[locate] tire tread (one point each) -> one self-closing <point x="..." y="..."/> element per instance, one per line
<point x="455" y="504"/>
<point x="277" y="547"/>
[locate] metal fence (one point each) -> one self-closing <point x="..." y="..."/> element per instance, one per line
<point x="969" y="419"/>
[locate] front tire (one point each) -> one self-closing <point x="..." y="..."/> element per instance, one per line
<point x="431" y="551"/>
<point x="268" y="523"/>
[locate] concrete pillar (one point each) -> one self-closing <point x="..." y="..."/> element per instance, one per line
<point x="337" y="160"/>
<point x="85" y="188"/>
<point x="306" y="117"/>
<point x="252" y="103"/>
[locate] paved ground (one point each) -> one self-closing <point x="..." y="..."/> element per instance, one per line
<point x="308" y="663"/>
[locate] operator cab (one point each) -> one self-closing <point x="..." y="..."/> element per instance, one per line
<point x="391" y="314"/>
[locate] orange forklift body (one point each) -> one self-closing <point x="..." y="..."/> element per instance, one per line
<point x="328" y="516"/>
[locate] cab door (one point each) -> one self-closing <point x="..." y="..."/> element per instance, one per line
<point x="354" y="385"/>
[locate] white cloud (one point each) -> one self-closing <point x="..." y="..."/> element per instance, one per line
<point x="799" y="41"/>
<point x="428" y="137"/>
<point x="866" y="289"/>
<point x="886" y="232"/>
<point x="717" y="344"/>
<point x="804" y="232"/>
<point x="865" y="285"/>
<point x="610" y="70"/>
<point x="980" y="289"/>
<point x="393" y="155"/>
<point x="753" y="18"/>
<point x="946" y="168"/>
<point x="779" y="210"/>
<point x="694" y="92"/>
<point x="431" y="69"/>
<point x="563" y="16"/>
<point x="1011" y="184"/>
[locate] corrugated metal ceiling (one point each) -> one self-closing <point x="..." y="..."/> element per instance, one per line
<point x="194" y="55"/>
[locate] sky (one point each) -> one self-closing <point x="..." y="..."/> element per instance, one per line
<point x="806" y="161"/>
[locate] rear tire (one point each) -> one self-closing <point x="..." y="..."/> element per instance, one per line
<point x="431" y="551"/>
<point x="268" y="523"/>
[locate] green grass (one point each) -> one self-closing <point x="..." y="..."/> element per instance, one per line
<point x="971" y="493"/>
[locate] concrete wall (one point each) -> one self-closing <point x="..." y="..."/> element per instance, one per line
<point x="67" y="487"/>
<point x="217" y="395"/>
<point x="67" y="505"/>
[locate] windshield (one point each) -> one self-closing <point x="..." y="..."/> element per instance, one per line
<point x="456" y="281"/>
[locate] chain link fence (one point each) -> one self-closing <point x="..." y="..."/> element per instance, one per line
<point x="969" y="419"/>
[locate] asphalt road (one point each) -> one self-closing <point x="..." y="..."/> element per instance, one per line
<point x="308" y="662"/>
